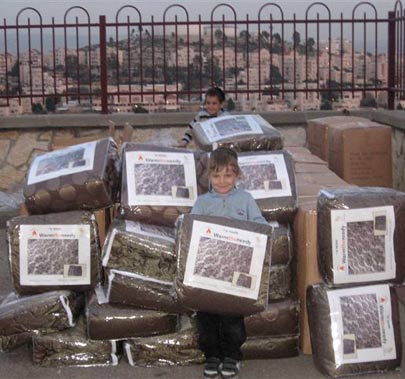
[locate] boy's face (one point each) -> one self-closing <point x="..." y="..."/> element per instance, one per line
<point x="212" y="104"/>
<point x="223" y="180"/>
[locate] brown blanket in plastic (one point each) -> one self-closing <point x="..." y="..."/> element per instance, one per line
<point x="176" y="349"/>
<point x="267" y="180"/>
<point x="279" y="319"/>
<point x="361" y="331"/>
<point x="159" y="180"/>
<point x="270" y="347"/>
<point x="366" y="247"/>
<point x="52" y="256"/>
<point x="73" y="348"/>
<point x="23" y="317"/>
<point x="141" y="248"/>
<point x="280" y="285"/>
<point x="141" y="291"/>
<point x="93" y="188"/>
<point x="269" y="138"/>
<point x="111" y="321"/>
<point x="282" y="249"/>
<point x="220" y="259"/>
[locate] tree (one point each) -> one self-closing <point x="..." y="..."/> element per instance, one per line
<point x="400" y="107"/>
<point x="15" y="69"/>
<point x="296" y="39"/>
<point x="231" y="105"/>
<point x="368" y="101"/>
<point x="138" y="108"/>
<point x="51" y="101"/>
<point x="310" y="45"/>
<point x="37" y="108"/>
<point x="326" y="105"/>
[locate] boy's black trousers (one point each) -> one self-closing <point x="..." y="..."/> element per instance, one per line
<point x="221" y="336"/>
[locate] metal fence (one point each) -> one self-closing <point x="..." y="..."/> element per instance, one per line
<point x="130" y="60"/>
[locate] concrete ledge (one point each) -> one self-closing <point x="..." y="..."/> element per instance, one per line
<point x="396" y="119"/>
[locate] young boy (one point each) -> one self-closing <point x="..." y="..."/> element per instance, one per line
<point x="214" y="100"/>
<point x="222" y="336"/>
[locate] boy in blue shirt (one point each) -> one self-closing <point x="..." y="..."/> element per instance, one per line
<point x="221" y="337"/>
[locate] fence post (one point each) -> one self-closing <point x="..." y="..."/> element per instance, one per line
<point x="391" y="60"/>
<point x="103" y="65"/>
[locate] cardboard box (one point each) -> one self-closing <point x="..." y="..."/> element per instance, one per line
<point x="305" y="238"/>
<point x="362" y="155"/>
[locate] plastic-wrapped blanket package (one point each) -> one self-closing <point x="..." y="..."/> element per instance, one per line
<point x="282" y="249"/>
<point x="141" y="248"/>
<point x="270" y="347"/>
<point x="279" y="319"/>
<point x="79" y="177"/>
<point x="354" y="330"/>
<point x="160" y="183"/>
<point x="176" y="349"/>
<point x="112" y="321"/>
<point x="54" y="251"/>
<point x="270" y="179"/>
<point x="280" y="285"/>
<point x="73" y="348"/>
<point x="23" y="317"/>
<point x="223" y="265"/>
<point x="141" y="291"/>
<point x="360" y="235"/>
<point x="240" y="132"/>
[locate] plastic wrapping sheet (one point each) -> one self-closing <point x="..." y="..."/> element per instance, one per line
<point x="280" y="286"/>
<point x="141" y="291"/>
<point x="282" y="249"/>
<point x="360" y="235"/>
<point x="73" y="348"/>
<point x="269" y="177"/>
<point x="270" y="347"/>
<point x="23" y="317"/>
<point x="223" y="265"/>
<point x="239" y="132"/>
<point x="112" y="321"/>
<point x="79" y="177"/>
<point x="279" y="319"/>
<point x="54" y="251"/>
<point x="141" y="248"/>
<point x="160" y="183"/>
<point x="174" y="349"/>
<point x="354" y="330"/>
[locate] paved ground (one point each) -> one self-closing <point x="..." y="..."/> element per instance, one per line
<point x="18" y="365"/>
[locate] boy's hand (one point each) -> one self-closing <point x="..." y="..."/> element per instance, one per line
<point x="181" y="143"/>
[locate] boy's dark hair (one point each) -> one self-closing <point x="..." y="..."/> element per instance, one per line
<point x="216" y="92"/>
<point x="223" y="157"/>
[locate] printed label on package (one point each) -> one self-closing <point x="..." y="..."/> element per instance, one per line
<point x="264" y="176"/>
<point x="361" y="324"/>
<point x="55" y="255"/>
<point x="219" y="128"/>
<point x="226" y="260"/>
<point x="68" y="161"/>
<point x="363" y="244"/>
<point x="161" y="178"/>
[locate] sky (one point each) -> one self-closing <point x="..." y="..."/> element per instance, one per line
<point x="56" y="8"/>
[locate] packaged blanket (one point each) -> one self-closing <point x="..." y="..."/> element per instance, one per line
<point x="73" y="348"/>
<point x="114" y="321"/>
<point x="270" y="347"/>
<point x="141" y="248"/>
<point x="54" y="251"/>
<point x="141" y="291"/>
<point x="269" y="177"/>
<point x="160" y="183"/>
<point x="280" y="285"/>
<point x="360" y="235"/>
<point x="282" y="249"/>
<point x="78" y="177"/>
<point x="223" y="265"/>
<point x="278" y="319"/>
<point x="240" y="132"/>
<point x="354" y="330"/>
<point x="23" y="317"/>
<point x="176" y="349"/>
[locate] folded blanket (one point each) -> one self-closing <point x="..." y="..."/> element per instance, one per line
<point x="280" y="286"/>
<point x="282" y="249"/>
<point x="223" y="265"/>
<point x="240" y="132"/>
<point x="78" y="177"/>
<point x="160" y="183"/>
<point x="270" y="347"/>
<point x="54" y="251"/>
<point x="141" y="248"/>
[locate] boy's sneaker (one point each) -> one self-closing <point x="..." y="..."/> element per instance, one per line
<point x="230" y="368"/>
<point x="211" y="368"/>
